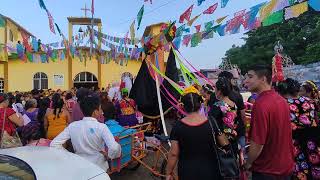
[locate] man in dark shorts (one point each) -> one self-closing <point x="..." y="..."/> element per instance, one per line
<point x="270" y="154"/>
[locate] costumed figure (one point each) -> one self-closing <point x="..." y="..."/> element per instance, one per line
<point x="277" y="68"/>
<point x="126" y="110"/>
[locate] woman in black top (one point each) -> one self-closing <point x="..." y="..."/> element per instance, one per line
<point x="192" y="143"/>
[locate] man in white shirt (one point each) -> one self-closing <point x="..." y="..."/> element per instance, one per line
<point x="90" y="138"/>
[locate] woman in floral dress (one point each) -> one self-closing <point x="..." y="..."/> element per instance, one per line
<point x="225" y="112"/>
<point x="305" y="131"/>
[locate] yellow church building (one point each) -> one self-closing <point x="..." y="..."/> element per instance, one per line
<point x="18" y="75"/>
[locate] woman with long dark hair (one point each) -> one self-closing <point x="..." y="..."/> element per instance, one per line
<point x="77" y="114"/>
<point x="192" y="143"/>
<point x="57" y="118"/>
<point x="43" y="107"/>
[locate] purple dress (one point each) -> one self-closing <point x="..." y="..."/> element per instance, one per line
<point x="33" y="115"/>
<point x="126" y="112"/>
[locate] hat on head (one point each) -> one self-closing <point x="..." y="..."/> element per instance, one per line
<point x="190" y="89"/>
<point x="124" y="90"/>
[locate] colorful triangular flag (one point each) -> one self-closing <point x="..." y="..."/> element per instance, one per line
<point x="281" y="4"/>
<point x="219" y="20"/>
<point x="208" y="25"/>
<point x="177" y="42"/>
<point x="296" y="10"/>
<point x="42" y="5"/>
<point x="180" y="30"/>
<point x="200" y="2"/>
<point x="193" y="20"/>
<point x="196" y="39"/>
<point x="140" y="15"/>
<point x="266" y="10"/>
<point x="221" y="29"/>
<point x="224" y="3"/>
<point x="51" y="23"/>
<point x="132" y="31"/>
<point x="198" y="27"/>
<point x="186" y="39"/>
<point x="211" y="9"/>
<point x="275" y="17"/>
<point x="186" y="15"/>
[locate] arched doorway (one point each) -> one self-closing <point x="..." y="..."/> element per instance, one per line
<point x="86" y="80"/>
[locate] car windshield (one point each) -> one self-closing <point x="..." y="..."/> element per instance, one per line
<point x="15" y="169"/>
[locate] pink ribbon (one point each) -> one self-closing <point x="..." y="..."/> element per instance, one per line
<point x="198" y="72"/>
<point x="174" y="105"/>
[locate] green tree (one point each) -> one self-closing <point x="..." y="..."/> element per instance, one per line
<point x="300" y="38"/>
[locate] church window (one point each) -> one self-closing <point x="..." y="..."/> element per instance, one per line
<point x="40" y="81"/>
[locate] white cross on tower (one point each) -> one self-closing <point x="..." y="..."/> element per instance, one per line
<point x="85" y="9"/>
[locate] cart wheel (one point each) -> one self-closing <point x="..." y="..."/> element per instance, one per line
<point x="133" y="165"/>
<point x="163" y="168"/>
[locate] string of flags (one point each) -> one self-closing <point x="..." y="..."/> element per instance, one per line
<point x="46" y="54"/>
<point x="272" y="12"/>
<point x="123" y="48"/>
<point x="115" y="39"/>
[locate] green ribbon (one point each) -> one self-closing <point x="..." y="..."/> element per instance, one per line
<point x="173" y="84"/>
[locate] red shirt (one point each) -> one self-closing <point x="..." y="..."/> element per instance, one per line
<point x="9" y="126"/>
<point x="270" y="126"/>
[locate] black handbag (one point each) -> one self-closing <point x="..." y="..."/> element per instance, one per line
<point x="227" y="162"/>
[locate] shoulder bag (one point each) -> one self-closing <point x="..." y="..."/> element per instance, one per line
<point x="227" y="162"/>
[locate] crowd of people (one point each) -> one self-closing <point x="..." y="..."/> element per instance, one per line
<point x="71" y="119"/>
<point x="283" y="137"/>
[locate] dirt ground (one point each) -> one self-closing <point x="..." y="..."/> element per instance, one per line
<point x="142" y="173"/>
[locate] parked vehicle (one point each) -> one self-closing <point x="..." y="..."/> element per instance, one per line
<point x="45" y="163"/>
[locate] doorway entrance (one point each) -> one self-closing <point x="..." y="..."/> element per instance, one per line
<point x="85" y="80"/>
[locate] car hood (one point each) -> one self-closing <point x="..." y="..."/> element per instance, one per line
<point x="51" y="163"/>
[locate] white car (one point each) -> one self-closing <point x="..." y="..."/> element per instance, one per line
<point x="45" y="163"/>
